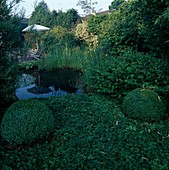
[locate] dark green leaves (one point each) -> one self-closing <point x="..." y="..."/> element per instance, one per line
<point x="119" y="75"/>
<point x="87" y="136"/>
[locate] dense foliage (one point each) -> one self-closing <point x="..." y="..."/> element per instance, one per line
<point x="60" y="23"/>
<point x="67" y="19"/>
<point x="144" y="105"/>
<point x="142" y="26"/>
<point x="9" y="40"/>
<point x="92" y="133"/>
<point x="40" y="15"/>
<point x="26" y="121"/>
<point x="115" y="4"/>
<point x="82" y="33"/>
<point x="119" y="75"/>
<point x="58" y="37"/>
<point x="43" y="16"/>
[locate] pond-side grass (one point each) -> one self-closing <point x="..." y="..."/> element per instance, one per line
<point x="74" y="58"/>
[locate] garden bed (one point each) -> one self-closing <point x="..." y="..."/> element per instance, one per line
<point x="92" y="133"/>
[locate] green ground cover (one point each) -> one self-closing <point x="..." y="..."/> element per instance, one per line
<point x="92" y="133"/>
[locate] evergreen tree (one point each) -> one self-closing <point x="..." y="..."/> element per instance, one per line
<point x="41" y="15"/>
<point x="9" y="39"/>
<point x="115" y="4"/>
<point x="67" y="20"/>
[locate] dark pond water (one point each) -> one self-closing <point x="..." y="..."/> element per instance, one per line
<point x="65" y="79"/>
<point x="49" y="83"/>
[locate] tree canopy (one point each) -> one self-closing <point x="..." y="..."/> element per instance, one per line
<point x="115" y="4"/>
<point x="67" y="19"/>
<point x="40" y="15"/>
<point x="9" y="40"/>
<point x="142" y="26"/>
<point x="43" y="16"/>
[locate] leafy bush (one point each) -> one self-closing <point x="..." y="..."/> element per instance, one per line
<point x="117" y="76"/>
<point x="83" y="34"/>
<point x="58" y="36"/>
<point x="143" y="104"/>
<point x="26" y="121"/>
<point x="140" y="26"/>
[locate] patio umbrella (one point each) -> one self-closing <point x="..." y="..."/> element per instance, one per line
<point x="37" y="28"/>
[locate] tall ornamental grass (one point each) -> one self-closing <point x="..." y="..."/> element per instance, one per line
<point x="74" y="58"/>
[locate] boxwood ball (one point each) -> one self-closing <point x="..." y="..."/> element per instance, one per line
<point x="143" y="104"/>
<point x="26" y="121"/>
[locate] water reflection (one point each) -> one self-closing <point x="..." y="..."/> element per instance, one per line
<point x="46" y="84"/>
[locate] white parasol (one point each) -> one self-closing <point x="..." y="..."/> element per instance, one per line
<point x="35" y="27"/>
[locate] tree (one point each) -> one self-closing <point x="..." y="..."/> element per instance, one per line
<point x="40" y="15"/>
<point x="87" y="5"/>
<point x="94" y="23"/>
<point x="9" y="40"/>
<point x="71" y="18"/>
<point x="67" y="19"/>
<point x="58" y="36"/>
<point x="54" y="37"/>
<point x="115" y="4"/>
<point x="43" y="16"/>
<point x="53" y="18"/>
<point x="142" y="26"/>
<point x="156" y="20"/>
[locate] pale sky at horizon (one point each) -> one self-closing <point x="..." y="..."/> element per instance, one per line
<point x="63" y="5"/>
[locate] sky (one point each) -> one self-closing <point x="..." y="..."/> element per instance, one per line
<point x="63" y="5"/>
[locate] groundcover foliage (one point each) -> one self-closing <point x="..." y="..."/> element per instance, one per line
<point x="92" y="133"/>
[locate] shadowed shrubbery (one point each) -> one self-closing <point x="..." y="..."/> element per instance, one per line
<point x="144" y="105"/>
<point x="26" y="121"/>
<point x="117" y="76"/>
<point x="10" y="27"/>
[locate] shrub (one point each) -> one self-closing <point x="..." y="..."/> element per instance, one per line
<point x="57" y="37"/>
<point x="92" y="133"/>
<point x="83" y="34"/>
<point x="26" y="121"/>
<point x="117" y="76"/>
<point x="143" y="104"/>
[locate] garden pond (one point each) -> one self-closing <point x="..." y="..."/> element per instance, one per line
<point x="43" y="84"/>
